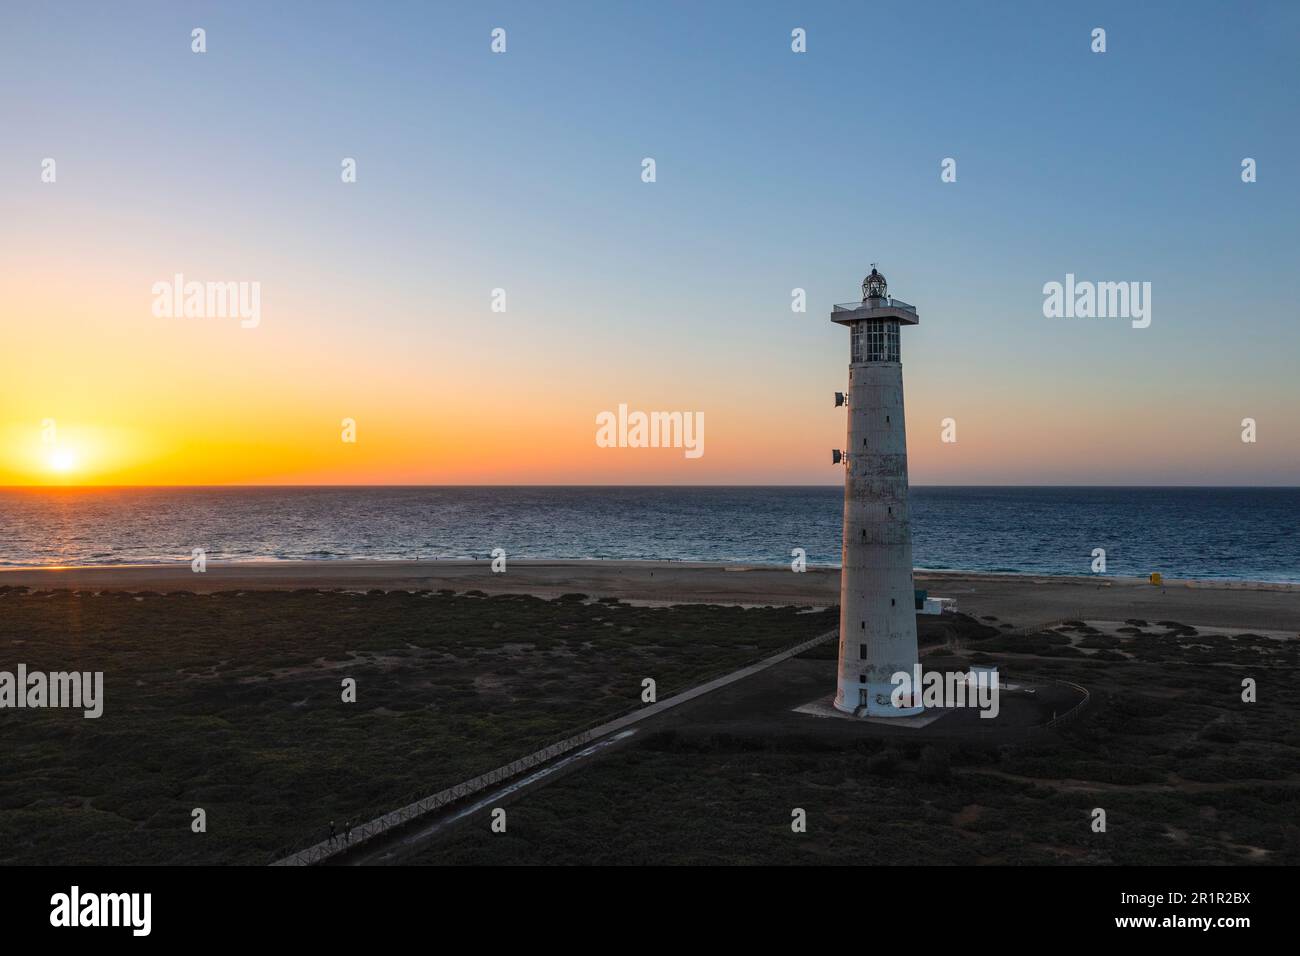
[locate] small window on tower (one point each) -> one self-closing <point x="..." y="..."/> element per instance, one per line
<point x="862" y="652"/>
<point x="862" y="678"/>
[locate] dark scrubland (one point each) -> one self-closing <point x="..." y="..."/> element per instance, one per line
<point x="232" y="702"/>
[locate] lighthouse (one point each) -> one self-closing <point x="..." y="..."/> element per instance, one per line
<point x="877" y="603"/>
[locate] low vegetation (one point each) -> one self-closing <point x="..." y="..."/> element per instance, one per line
<point x="232" y="703"/>
<point x="1185" y="770"/>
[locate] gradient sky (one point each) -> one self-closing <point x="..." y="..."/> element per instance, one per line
<point x="522" y="171"/>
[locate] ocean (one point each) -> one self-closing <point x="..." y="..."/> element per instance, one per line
<point x="1224" y="533"/>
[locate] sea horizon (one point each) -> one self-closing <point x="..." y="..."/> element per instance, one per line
<point x="1235" y="533"/>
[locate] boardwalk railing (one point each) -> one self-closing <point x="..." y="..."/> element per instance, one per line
<point x="1086" y="695"/>
<point x="1074" y="711"/>
<point x="1038" y="628"/>
<point x="332" y="846"/>
<point x="403" y="815"/>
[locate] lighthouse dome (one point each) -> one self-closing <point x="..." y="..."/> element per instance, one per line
<point x="873" y="286"/>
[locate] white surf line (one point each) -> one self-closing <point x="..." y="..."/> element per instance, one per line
<point x="492" y="798"/>
<point x="326" y="849"/>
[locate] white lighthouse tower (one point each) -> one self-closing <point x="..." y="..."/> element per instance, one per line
<point x="877" y="604"/>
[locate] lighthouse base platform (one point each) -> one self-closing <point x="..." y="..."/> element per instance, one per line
<point x="915" y="720"/>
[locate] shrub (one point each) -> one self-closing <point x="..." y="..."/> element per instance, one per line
<point x="935" y="765"/>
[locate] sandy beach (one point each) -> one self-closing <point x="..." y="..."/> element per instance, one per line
<point x="1021" y="600"/>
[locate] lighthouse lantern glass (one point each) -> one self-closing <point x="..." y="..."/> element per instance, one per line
<point x="874" y="341"/>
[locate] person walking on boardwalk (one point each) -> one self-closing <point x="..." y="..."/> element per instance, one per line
<point x="347" y="831"/>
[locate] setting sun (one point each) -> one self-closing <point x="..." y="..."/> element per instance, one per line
<point x="56" y="450"/>
<point x="62" y="460"/>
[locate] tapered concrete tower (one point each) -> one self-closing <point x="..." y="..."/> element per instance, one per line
<point x="877" y="605"/>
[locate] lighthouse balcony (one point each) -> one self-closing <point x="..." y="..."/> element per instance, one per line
<point x="849" y="312"/>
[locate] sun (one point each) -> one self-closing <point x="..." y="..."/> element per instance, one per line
<point x="62" y="460"/>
